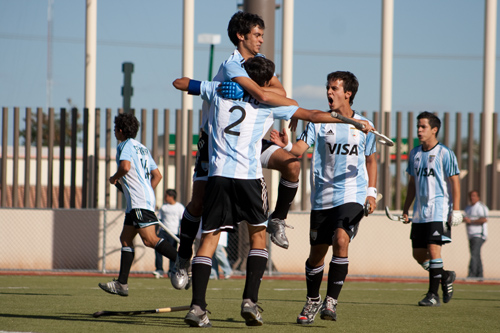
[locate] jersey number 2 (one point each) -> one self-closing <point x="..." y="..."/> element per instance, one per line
<point x="237" y="122"/>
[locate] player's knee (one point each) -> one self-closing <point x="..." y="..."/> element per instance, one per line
<point x="291" y="170"/>
<point x="195" y="207"/>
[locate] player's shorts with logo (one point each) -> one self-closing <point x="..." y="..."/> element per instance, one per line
<point x="201" y="164"/>
<point x="229" y="201"/>
<point x="324" y="222"/>
<point x="140" y="218"/>
<point x="426" y="233"/>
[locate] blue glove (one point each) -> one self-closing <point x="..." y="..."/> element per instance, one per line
<point x="231" y="90"/>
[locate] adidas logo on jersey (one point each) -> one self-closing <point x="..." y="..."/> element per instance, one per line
<point x="330" y="132"/>
<point x="436" y="233"/>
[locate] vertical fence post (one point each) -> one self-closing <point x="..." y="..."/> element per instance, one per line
<point x="166" y="146"/>
<point x="50" y="158"/>
<point x="62" y="156"/>
<point x="27" y="159"/>
<point x="5" y="132"/>
<point x="15" y="161"/>
<point x="39" y="139"/>
<point x="397" y="183"/>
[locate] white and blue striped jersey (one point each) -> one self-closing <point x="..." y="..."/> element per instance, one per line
<point x="232" y="67"/>
<point x="431" y="170"/>
<point x="235" y="132"/>
<point x="137" y="182"/>
<point x="338" y="165"/>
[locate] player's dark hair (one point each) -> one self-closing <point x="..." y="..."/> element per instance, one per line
<point x="242" y="23"/>
<point x="475" y="191"/>
<point x="349" y="82"/>
<point x="128" y="123"/>
<point x="434" y="121"/>
<point x="171" y="193"/>
<point x="260" y="69"/>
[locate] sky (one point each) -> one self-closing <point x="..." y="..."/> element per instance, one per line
<point x="438" y="51"/>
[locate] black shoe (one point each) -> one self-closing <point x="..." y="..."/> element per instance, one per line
<point x="430" y="300"/>
<point x="447" y="286"/>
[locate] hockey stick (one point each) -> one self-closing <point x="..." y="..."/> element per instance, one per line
<point x="393" y="217"/>
<point x="131" y="313"/>
<point x="367" y="206"/>
<point x="161" y="224"/>
<point x="382" y="139"/>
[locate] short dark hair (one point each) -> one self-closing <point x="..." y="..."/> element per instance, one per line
<point x="242" y="23"/>
<point x="350" y="82"/>
<point x="434" y="121"/>
<point x="171" y="193"/>
<point x="128" y="123"/>
<point x="260" y="69"/>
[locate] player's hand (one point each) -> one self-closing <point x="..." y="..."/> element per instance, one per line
<point x="231" y="90"/>
<point x="368" y="128"/>
<point x="293" y="124"/>
<point x="406" y="218"/>
<point x="112" y="180"/>
<point x="370" y="204"/>
<point x="279" y="138"/>
<point x="456" y="218"/>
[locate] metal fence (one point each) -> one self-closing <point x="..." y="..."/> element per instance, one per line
<point x="51" y="166"/>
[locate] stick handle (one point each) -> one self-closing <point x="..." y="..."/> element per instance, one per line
<point x="348" y="120"/>
<point x="164" y="227"/>
<point x="173" y="309"/>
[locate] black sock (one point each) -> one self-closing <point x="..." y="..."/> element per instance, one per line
<point x="126" y="260"/>
<point x="436" y="272"/>
<point x="286" y="194"/>
<point x="256" y="265"/>
<point x="314" y="275"/>
<point x="166" y="249"/>
<point x="201" y="268"/>
<point x="336" y="276"/>
<point x="189" y="228"/>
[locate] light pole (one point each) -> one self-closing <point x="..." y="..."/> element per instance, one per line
<point x="212" y="39"/>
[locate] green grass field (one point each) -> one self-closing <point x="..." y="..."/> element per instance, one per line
<point x="66" y="304"/>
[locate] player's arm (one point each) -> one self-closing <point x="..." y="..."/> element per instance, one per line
<point x="371" y="169"/>
<point x="317" y="116"/>
<point x="276" y="87"/>
<point x="183" y="83"/>
<point x="410" y="195"/>
<point x="265" y="97"/>
<point x="281" y="139"/>
<point x="155" y="178"/>
<point x="455" y="191"/>
<point x="123" y="169"/>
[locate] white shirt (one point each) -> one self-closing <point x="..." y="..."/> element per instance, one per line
<point x="475" y="212"/>
<point x="171" y="216"/>
<point x="136" y="183"/>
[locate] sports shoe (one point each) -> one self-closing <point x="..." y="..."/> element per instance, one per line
<point x="310" y="310"/>
<point x="250" y="312"/>
<point x="115" y="287"/>
<point x="158" y="274"/>
<point x="276" y="227"/>
<point x="430" y="300"/>
<point x="447" y="286"/>
<point x="196" y="317"/>
<point x="329" y="309"/>
<point x="179" y="277"/>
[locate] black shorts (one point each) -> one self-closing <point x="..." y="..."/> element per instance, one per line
<point x="229" y="201"/>
<point x="140" y="218"/>
<point x="201" y="164"/>
<point x="423" y="234"/>
<point x="323" y="223"/>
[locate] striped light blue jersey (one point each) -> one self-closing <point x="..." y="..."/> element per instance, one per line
<point x="235" y="132"/>
<point x="232" y="67"/>
<point x="431" y="170"/>
<point x="338" y="165"/>
<point x="137" y="182"/>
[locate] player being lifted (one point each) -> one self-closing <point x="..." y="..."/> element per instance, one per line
<point x="343" y="180"/>
<point x="246" y="32"/>
<point x="435" y="186"/>
<point x="236" y="189"/>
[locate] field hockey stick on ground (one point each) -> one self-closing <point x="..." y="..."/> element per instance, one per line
<point x="132" y="313"/>
<point x="382" y="139"/>
<point x="366" y="207"/>
<point x="393" y="217"/>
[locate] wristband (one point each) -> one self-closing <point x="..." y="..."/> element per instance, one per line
<point x="288" y="147"/>
<point x="371" y="192"/>
<point x="194" y="87"/>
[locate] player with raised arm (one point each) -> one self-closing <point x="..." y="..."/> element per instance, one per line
<point x="434" y="184"/>
<point x="236" y="190"/>
<point x="343" y="180"/>
<point x="138" y="176"/>
<point x="246" y="32"/>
